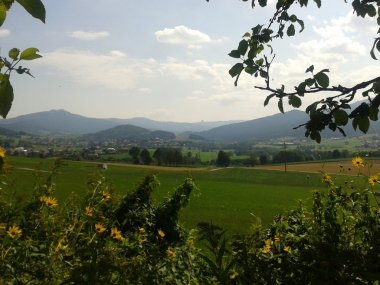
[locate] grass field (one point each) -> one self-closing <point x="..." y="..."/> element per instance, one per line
<point x="230" y="197"/>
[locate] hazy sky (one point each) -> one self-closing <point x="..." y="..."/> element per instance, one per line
<point x="167" y="60"/>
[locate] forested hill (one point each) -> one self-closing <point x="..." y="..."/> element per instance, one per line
<point x="129" y="132"/>
<point x="273" y="127"/>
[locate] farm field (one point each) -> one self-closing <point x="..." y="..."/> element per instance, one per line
<point x="232" y="197"/>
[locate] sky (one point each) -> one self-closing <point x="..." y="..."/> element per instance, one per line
<point x="168" y="60"/>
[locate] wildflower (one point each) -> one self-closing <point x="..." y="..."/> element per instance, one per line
<point x="2" y="152"/>
<point x="100" y="228"/>
<point x="106" y="196"/>
<point x="49" y="201"/>
<point x="116" y="234"/>
<point x="287" y="249"/>
<point x="234" y="275"/>
<point x="161" y="233"/>
<point x="267" y="247"/>
<point x="142" y="231"/>
<point x="277" y="238"/>
<point x="14" y="232"/>
<point x="89" y="211"/>
<point x="3" y="227"/>
<point x="170" y="252"/>
<point x="358" y="161"/>
<point x="372" y="180"/>
<point x="326" y="179"/>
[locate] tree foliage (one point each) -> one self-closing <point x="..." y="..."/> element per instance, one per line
<point x="7" y="65"/>
<point x="255" y="56"/>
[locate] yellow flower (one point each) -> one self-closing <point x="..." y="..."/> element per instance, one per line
<point x="100" y="228"/>
<point x="234" y="275"/>
<point x="49" y="201"/>
<point x="106" y="196"/>
<point x="14" y="232"/>
<point x="287" y="249"/>
<point x="267" y="247"/>
<point x="116" y="234"/>
<point x="277" y="238"/>
<point x="142" y="231"/>
<point x="89" y="211"/>
<point x="2" y="152"/>
<point x="161" y="233"/>
<point x="373" y="180"/>
<point x="268" y="242"/>
<point x="326" y="179"/>
<point x="358" y="161"/>
<point x="170" y="252"/>
<point x="3" y="227"/>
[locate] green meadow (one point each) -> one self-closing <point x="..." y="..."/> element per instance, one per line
<point x="233" y="198"/>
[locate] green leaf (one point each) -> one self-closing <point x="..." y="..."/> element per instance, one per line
<point x="30" y="54"/>
<point x="310" y="81"/>
<point x="340" y="117"/>
<point x="3" y="13"/>
<point x="260" y="61"/>
<point x="6" y="96"/>
<point x="243" y="47"/>
<point x="291" y="30"/>
<point x="373" y="113"/>
<point x="316" y="136"/>
<point x="293" y="18"/>
<point x="262" y="3"/>
<point x="35" y="8"/>
<point x="310" y="69"/>
<point x="234" y="53"/>
<point x="268" y="98"/>
<point x="301" y="23"/>
<point x="251" y="69"/>
<point x="363" y="124"/>
<point x="322" y="79"/>
<point x="318" y="2"/>
<point x="281" y="105"/>
<point x="13" y="53"/>
<point x="371" y="11"/>
<point x="236" y="69"/>
<point x="295" y="101"/>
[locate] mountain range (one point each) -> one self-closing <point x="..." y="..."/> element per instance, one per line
<point x="61" y="122"/>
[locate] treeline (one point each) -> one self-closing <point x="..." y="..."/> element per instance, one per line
<point x="163" y="156"/>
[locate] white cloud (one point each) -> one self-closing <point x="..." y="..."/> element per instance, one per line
<point x="145" y="90"/>
<point x="4" y="33"/>
<point x="88" y="36"/>
<point x="181" y="35"/>
<point x="117" y="53"/>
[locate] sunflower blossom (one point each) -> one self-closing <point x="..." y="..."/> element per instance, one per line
<point x="2" y="152"/>
<point x="100" y="228"/>
<point x="49" y="201"/>
<point x="106" y="196"/>
<point x="89" y="211"/>
<point x="358" y="161"/>
<point x="170" y="252"/>
<point x="116" y="234"/>
<point x="161" y="233"/>
<point x="14" y="232"/>
<point x="373" y="180"/>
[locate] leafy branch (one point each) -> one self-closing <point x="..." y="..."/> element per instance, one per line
<point x="37" y="10"/>
<point x="256" y="55"/>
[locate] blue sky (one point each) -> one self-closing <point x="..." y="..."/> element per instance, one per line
<point x="167" y="60"/>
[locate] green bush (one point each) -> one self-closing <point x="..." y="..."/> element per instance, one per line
<point x="102" y="239"/>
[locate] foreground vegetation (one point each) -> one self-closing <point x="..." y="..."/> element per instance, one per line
<point x="99" y="238"/>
